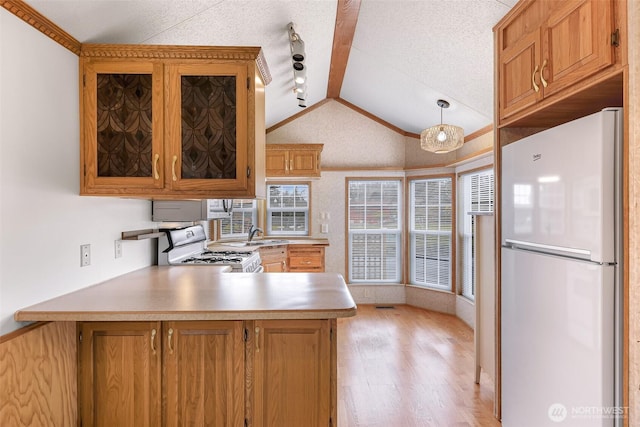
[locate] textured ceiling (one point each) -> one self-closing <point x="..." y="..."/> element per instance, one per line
<point x="405" y="54"/>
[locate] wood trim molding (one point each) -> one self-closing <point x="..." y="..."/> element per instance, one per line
<point x="241" y="53"/>
<point x="41" y="23"/>
<point x="362" y="168"/>
<point x="21" y="331"/>
<point x="346" y="20"/>
<point x="477" y="134"/>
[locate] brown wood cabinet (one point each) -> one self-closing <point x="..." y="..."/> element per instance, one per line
<point x="204" y="373"/>
<point x="199" y="372"/>
<point x="546" y="47"/>
<point x="296" y="160"/>
<point x="274" y="259"/>
<point x="172" y="122"/>
<point x="291" y="379"/>
<point x="306" y="258"/>
<point x="202" y="365"/>
<point x="119" y="374"/>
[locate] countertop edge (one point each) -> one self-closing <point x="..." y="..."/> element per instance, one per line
<point x="77" y="316"/>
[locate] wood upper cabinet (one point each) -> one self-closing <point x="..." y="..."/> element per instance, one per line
<point x="545" y="47"/>
<point x="120" y="374"/>
<point x="292" y="373"/>
<point x="172" y="122"/>
<point x="299" y="160"/>
<point x="122" y="125"/>
<point x="126" y="366"/>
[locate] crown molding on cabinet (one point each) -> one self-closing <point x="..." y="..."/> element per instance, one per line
<point x="42" y="24"/>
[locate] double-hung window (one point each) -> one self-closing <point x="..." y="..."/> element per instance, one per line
<point x="430" y="227"/>
<point x="375" y="230"/>
<point x="478" y="189"/>
<point x="288" y="209"/>
<point x="243" y="214"/>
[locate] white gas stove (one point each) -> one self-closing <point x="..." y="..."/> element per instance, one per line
<point x="187" y="246"/>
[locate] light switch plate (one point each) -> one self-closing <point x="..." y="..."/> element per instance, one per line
<point x="85" y="255"/>
<point x="118" y="248"/>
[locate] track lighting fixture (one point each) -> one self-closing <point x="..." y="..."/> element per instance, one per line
<point x="298" y="57"/>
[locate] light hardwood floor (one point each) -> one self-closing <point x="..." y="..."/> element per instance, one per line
<point x="409" y="367"/>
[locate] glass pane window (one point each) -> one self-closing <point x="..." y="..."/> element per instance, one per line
<point x="478" y="196"/>
<point x="375" y="231"/>
<point x="430" y="228"/>
<point x="243" y="215"/>
<point x="288" y="209"/>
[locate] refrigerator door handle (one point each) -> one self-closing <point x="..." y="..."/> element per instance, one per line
<point x="551" y="249"/>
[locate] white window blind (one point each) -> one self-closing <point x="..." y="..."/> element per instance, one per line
<point x="430" y="233"/>
<point x="243" y="214"/>
<point x="480" y="191"/>
<point x="374" y="231"/>
<point x="288" y="209"/>
<point x="477" y="199"/>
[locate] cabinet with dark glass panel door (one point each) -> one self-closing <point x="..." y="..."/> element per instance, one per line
<point x="172" y="122"/>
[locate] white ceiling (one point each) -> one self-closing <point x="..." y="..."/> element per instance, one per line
<point x="404" y="57"/>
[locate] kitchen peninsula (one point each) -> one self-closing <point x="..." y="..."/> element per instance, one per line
<point x="166" y="345"/>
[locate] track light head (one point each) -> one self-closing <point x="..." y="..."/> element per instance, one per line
<point x="297" y="49"/>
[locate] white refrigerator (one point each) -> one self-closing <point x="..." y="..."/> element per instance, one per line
<point x="561" y="275"/>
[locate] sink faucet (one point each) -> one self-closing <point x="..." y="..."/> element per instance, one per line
<point x="252" y="232"/>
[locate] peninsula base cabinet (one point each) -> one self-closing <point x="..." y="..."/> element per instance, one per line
<point x="263" y="373"/>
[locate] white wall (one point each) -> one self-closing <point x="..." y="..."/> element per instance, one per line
<point x="43" y="220"/>
<point x="350" y="139"/>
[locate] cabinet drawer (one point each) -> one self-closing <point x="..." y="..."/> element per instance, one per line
<point x="306" y="258"/>
<point x="271" y="253"/>
<point x="304" y="261"/>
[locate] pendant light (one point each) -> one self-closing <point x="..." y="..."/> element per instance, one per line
<point x="442" y="138"/>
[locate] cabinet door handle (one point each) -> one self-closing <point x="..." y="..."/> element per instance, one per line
<point x="175" y="159"/>
<point x="153" y="341"/>
<point x="156" y="175"/>
<point x="257" y="339"/>
<point x="291" y="164"/>
<point x="533" y="80"/>
<point x="170" y="343"/>
<point x="544" y="82"/>
<point x="286" y="165"/>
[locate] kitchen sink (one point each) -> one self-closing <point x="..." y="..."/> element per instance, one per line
<point x="266" y="242"/>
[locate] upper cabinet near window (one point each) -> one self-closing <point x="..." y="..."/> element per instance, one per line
<point x="172" y="121"/>
<point x="296" y="160"/>
<point x="546" y="48"/>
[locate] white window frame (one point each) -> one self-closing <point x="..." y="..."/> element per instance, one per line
<point x="440" y="265"/>
<point x="239" y="222"/>
<point x="291" y="209"/>
<point x="477" y="199"/>
<point x="389" y="268"/>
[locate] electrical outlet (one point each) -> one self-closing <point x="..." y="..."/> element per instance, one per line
<point x="85" y="255"/>
<point x="118" y="248"/>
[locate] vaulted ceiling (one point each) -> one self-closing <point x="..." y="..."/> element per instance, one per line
<point x="392" y="59"/>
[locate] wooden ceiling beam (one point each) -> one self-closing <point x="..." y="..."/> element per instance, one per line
<point x="346" y="20"/>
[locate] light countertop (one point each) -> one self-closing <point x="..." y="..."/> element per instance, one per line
<point x="198" y="293"/>
<point x="232" y="245"/>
